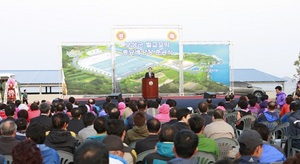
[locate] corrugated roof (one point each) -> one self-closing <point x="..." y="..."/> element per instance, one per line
<point x="36" y="76"/>
<point x="253" y="75"/>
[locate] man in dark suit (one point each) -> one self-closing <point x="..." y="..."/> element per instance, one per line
<point x="149" y="74"/>
<point x="44" y="118"/>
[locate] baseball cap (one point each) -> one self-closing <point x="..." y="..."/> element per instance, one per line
<point x="113" y="143"/>
<point x="250" y="138"/>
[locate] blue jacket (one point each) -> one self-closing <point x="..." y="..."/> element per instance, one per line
<point x="164" y="153"/>
<point x="270" y="154"/>
<point x="49" y="155"/>
<point x="269" y="116"/>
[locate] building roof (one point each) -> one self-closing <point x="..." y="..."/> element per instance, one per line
<point x="253" y="75"/>
<point x="36" y="76"/>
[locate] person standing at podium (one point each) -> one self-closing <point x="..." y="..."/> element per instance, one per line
<point x="149" y="74"/>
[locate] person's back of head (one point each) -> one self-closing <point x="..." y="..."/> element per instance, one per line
<point x="83" y="108"/>
<point x="9" y="110"/>
<point x="21" y="123"/>
<point x="26" y="152"/>
<point x="34" y="106"/>
<point x="185" y="144"/>
<point x="59" y="120"/>
<point x="231" y="96"/>
<point x="196" y="123"/>
<point x="182" y="113"/>
<point x="88" y="119"/>
<point x="114" y="145"/>
<point x="114" y="113"/>
<point x="91" y="152"/>
<point x="295" y="105"/>
<point x="60" y="107"/>
<point x="293" y="160"/>
<point x="264" y="97"/>
<point x="218" y="114"/>
<point x="36" y="132"/>
<point x="243" y="104"/>
<point x="23" y="114"/>
<point x="153" y="125"/>
<point x="8" y="128"/>
<point x="142" y="104"/>
<point x="271" y="106"/>
<point x="227" y="98"/>
<point x="72" y="100"/>
<point x="133" y="105"/>
<point x="115" y="127"/>
<point x="17" y="103"/>
<point x="167" y="134"/>
<point x="152" y="104"/>
<point x="139" y="118"/>
<point x="99" y="125"/>
<point x="203" y="107"/>
<point x="108" y="99"/>
<point x="158" y="99"/>
<point x="127" y="101"/>
<point x="209" y="100"/>
<point x="69" y="106"/>
<point x="252" y="102"/>
<point x="289" y="99"/>
<point x="173" y="112"/>
<point x="76" y="113"/>
<point x="171" y="103"/>
<point x="45" y="108"/>
<point x="263" y="130"/>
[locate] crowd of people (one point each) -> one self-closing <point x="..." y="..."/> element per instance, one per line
<point x="120" y="132"/>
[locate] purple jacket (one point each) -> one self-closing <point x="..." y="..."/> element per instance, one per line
<point x="280" y="99"/>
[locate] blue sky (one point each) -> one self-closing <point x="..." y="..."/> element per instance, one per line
<point x="264" y="34"/>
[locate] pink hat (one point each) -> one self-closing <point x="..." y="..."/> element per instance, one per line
<point x="121" y="105"/>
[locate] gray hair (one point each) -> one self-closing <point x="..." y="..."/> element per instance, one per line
<point x="45" y="108"/>
<point x="8" y="128"/>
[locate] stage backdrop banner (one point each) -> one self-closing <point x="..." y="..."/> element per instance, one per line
<point x="137" y="48"/>
<point x="87" y="68"/>
<point x="206" y="67"/>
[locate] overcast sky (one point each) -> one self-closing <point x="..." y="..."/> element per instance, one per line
<point x="264" y="33"/>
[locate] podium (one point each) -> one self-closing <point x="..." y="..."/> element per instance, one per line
<point x="150" y="88"/>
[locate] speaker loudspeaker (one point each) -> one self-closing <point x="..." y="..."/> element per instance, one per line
<point x="116" y="96"/>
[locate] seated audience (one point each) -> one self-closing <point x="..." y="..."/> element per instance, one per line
<point x="99" y="126"/>
<point x="76" y="123"/>
<point x="26" y="152"/>
<point x="163" y="113"/>
<point x="139" y="130"/>
<point x="153" y="127"/>
<point x="88" y="121"/>
<point x="250" y="147"/>
<point x="270" y="153"/>
<point x="241" y="113"/>
<point x="204" y="144"/>
<point x="286" y="107"/>
<point x="218" y="128"/>
<point x="91" y="152"/>
<point x="210" y="104"/>
<point x="185" y="146"/>
<point x="228" y="105"/>
<point x="33" y="111"/>
<point x="8" y="138"/>
<point x="37" y="133"/>
<point x="203" y="108"/>
<point x="44" y="118"/>
<point x="59" y="138"/>
<point x="173" y="118"/>
<point x="252" y="106"/>
<point x="264" y="102"/>
<point x="183" y="115"/>
<point x="152" y="108"/>
<point x="164" y="148"/>
<point x="116" y="149"/>
<point x="21" y="129"/>
<point x="117" y="127"/>
<point x="271" y="115"/>
<point x="295" y="125"/>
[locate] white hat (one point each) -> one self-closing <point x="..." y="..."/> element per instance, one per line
<point x="23" y="106"/>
